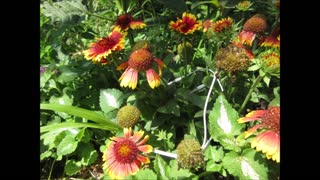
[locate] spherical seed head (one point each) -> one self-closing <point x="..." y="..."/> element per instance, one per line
<point x="143" y="44"/>
<point x="232" y="59"/>
<point x="141" y="59"/>
<point x="256" y="23"/>
<point x="128" y="116"/>
<point x="189" y="154"/>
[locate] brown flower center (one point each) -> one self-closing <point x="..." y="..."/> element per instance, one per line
<point x="125" y="151"/>
<point x="271" y="119"/>
<point x="124" y="20"/>
<point x="141" y="59"/>
<point x="256" y="24"/>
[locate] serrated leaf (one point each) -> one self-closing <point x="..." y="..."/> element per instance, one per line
<point x="223" y="120"/>
<point x="230" y="143"/>
<point x="110" y="99"/>
<point x="72" y="167"/>
<point x="177" y="173"/>
<point x="170" y="108"/>
<point x="246" y="166"/>
<point x="64" y="12"/>
<point x="145" y="174"/>
<point x="88" y="154"/>
<point x="45" y="77"/>
<point x="67" y="146"/>
<point x="214" y="153"/>
<point x="212" y="166"/>
<point x="160" y="166"/>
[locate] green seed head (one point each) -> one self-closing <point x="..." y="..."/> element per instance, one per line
<point x="232" y="59"/>
<point x="128" y="116"/>
<point x="189" y="154"/>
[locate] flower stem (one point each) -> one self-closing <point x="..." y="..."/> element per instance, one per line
<point x="131" y="38"/>
<point x="259" y="78"/>
<point x="51" y="169"/>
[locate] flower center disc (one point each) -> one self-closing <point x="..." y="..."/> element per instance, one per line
<point x="141" y="59"/>
<point x="125" y="151"/>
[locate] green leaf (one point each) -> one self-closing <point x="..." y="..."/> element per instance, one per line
<point x="67" y="125"/>
<point x="170" y="108"/>
<point x="67" y="146"/>
<point x="214" y="153"/>
<point x="145" y="174"/>
<point x="266" y="79"/>
<point x="275" y="102"/>
<point x="72" y="167"/>
<point x="160" y="166"/>
<point x="223" y="120"/>
<point x="80" y="112"/>
<point x="110" y="99"/>
<point x="213" y="166"/>
<point x="176" y="173"/>
<point x="84" y="135"/>
<point x="44" y="78"/>
<point x="45" y="155"/>
<point x="64" y="12"/>
<point x="196" y="4"/>
<point x="249" y="165"/>
<point x="254" y="67"/>
<point x="88" y="154"/>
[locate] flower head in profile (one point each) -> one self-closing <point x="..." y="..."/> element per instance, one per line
<point x="273" y="40"/>
<point x="222" y="25"/>
<point x="207" y="24"/>
<point x="140" y="60"/>
<point x="244" y="6"/>
<point x="267" y="141"/>
<point x="187" y="25"/>
<point x="123" y="157"/>
<point x="99" y="50"/>
<point x="271" y="62"/>
<point x="126" y="21"/>
<point x="255" y="25"/>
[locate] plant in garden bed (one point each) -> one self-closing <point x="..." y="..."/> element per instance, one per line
<point x="221" y="59"/>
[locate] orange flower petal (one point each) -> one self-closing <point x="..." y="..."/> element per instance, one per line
<point x="252" y="130"/>
<point x="153" y="78"/>
<point x="137" y="136"/>
<point x="123" y="66"/>
<point x="143" y="159"/>
<point x="127" y="132"/>
<point x="246" y="37"/>
<point x="145" y="148"/>
<point x="145" y="139"/>
<point x="129" y="78"/>
<point x="269" y="143"/>
<point x="137" y="25"/>
<point x="161" y="64"/>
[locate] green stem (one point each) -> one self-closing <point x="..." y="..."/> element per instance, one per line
<point x="259" y="78"/>
<point x="51" y="169"/>
<point x="131" y="38"/>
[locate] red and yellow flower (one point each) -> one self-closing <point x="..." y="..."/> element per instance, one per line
<point x="98" y="51"/>
<point x="267" y="141"/>
<point x="273" y="40"/>
<point x="255" y="25"/>
<point x="123" y="157"/>
<point x="126" y="21"/>
<point x="140" y="60"/>
<point x="187" y="25"/>
<point x="222" y="25"/>
<point x="207" y="24"/>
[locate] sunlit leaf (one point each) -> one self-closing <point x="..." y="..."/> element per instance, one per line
<point x="67" y="146"/>
<point x="72" y="167"/>
<point x="110" y="99"/>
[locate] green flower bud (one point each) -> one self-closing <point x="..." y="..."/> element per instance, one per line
<point x="128" y="116"/>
